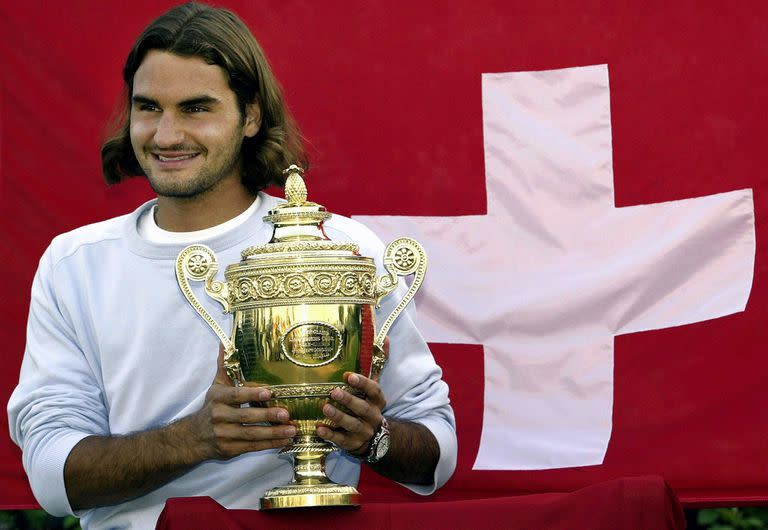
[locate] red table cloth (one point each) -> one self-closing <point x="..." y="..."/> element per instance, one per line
<point x="638" y="503"/>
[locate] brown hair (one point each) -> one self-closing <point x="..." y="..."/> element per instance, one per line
<point x="219" y="37"/>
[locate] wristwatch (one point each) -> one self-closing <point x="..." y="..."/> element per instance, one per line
<point x="379" y="443"/>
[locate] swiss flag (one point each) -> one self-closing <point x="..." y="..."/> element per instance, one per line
<point x="394" y="104"/>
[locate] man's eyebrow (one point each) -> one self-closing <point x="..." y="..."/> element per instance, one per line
<point x="190" y="102"/>
<point x="199" y="100"/>
<point x="139" y="99"/>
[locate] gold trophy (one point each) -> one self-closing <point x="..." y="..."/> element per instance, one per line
<point x="303" y="309"/>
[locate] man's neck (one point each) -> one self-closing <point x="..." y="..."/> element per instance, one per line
<point x="203" y="211"/>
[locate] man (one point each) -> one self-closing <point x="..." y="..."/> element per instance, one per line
<point x="120" y="404"/>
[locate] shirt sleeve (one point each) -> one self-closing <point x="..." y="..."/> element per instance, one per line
<point x="415" y="391"/>
<point x="412" y="381"/>
<point x="58" y="400"/>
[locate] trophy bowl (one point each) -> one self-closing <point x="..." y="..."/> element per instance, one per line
<point x="303" y="309"/>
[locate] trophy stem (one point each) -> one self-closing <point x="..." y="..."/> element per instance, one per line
<point x="309" y="459"/>
<point x="310" y="486"/>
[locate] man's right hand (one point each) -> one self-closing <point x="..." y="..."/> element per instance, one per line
<point x="107" y="470"/>
<point x="227" y="426"/>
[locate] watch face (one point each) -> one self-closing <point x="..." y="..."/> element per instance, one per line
<point x="382" y="447"/>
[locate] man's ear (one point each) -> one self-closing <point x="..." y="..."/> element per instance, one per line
<point x="252" y="119"/>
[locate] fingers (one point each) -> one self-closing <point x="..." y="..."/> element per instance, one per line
<point x="254" y="433"/>
<point x="225" y="404"/>
<point x="248" y="415"/>
<point x="234" y="430"/>
<point x="356" y="428"/>
<point x="234" y="449"/>
<point x="352" y="434"/>
<point x="370" y="388"/>
<point x="353" y="443"/>
<point x="228" y="429"/>
<point x="367" y="410"/>
<point x="236" y="396"/>
<point x="233" y="440"/>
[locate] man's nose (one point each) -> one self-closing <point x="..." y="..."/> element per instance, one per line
<point x="169" y="131"/>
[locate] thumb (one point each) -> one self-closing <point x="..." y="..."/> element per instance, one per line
<point x="221" y="377"/>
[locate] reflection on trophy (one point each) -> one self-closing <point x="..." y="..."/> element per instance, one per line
<point x="303" y="309"/>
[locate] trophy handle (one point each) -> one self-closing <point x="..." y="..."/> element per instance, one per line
<point x="198" y="263"/>
<point x="402" y="257"/>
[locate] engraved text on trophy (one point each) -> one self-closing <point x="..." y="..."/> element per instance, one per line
<point x="311" y="343"/>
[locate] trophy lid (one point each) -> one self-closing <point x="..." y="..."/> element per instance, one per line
<point x="298" y="223"/>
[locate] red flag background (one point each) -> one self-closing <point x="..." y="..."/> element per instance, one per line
<point x="388" y="96"/>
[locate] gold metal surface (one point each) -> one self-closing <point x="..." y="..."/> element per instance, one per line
<point x="302" y="310"/>
<point x="264" y="280"/>
<point x="295" y="496"/>
<point x="402" y="257"/>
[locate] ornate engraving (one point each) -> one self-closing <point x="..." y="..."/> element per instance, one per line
<point x="194" y="262"/>
<point x="295" y="190"/>
<point x="299" y="246"/>
<point x="311" y="490"/>
<point x="310" y="466"/>
<point x="278" y="285"/>
<point x="326" y="284"/>
<point x="308" y="448"/>
<point x="402" y="256"/>
<point x="198" y="263"/>
<point x="282" y="217"/>
<point x="311" y="344"/>
<point x="310" y="390"/>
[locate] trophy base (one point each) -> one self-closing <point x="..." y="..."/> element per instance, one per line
<point x="306" y="496"/>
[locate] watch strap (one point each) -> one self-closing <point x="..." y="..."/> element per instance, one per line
<point x="374" y="455"/>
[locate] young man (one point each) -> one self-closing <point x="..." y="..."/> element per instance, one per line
<point x="120" y="404"/>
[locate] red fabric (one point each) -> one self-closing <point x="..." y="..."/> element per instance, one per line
<point x="642" y="503"/>
<point x="366" y="341"/>
<point x="388" y="95"/>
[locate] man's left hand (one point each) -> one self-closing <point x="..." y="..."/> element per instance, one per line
<point x="413" y="451"/>
<point x="354" y="431"/>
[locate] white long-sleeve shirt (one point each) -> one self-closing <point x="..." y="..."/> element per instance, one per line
<point x="113" y="348"/>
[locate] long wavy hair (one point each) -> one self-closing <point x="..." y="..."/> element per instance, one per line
<point x="219" y="37"/>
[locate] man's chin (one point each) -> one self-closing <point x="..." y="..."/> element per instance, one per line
<point x="176" y="193"/>
<point x="180" y="190"/>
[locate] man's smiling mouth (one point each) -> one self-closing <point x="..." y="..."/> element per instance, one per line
<point x="173" y="158"/>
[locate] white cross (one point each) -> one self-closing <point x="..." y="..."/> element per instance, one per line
<point x="555" y="271"/>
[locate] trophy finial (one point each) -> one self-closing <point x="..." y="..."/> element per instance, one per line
<point x="295" y="190"/>
<point x="297" y="219"/>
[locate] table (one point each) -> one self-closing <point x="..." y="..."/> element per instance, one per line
<point x="633" y="503"/>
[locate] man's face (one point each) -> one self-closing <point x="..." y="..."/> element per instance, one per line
<point x="186" y="128"/>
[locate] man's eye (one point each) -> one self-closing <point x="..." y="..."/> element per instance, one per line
<point x="149" y="108"/>
<point x="196" y="108"/>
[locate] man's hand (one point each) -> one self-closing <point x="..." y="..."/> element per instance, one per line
<point x="354" y="431"/>
<point x="107" y="470"/>
<point x="225" y="429"/>
<point x="413" y="452"/>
